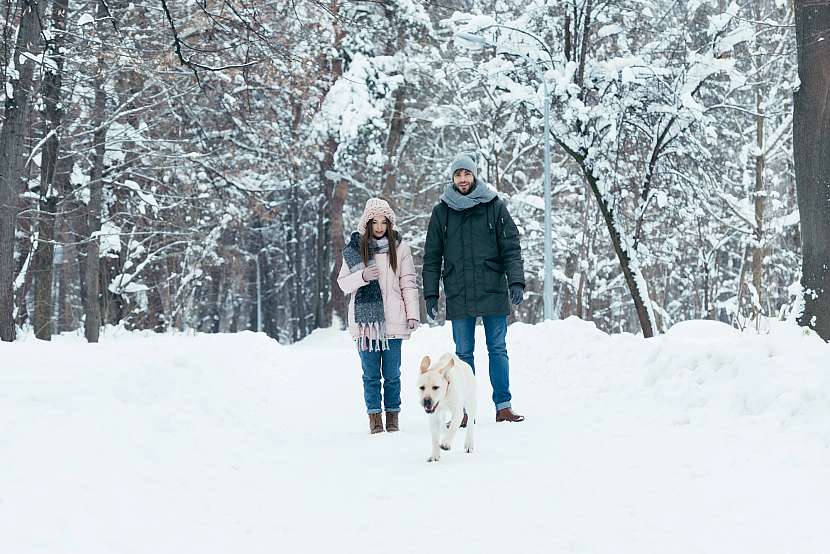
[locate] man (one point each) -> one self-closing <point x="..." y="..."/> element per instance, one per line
<point x="473" y="236"/>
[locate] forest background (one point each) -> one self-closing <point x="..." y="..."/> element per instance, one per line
<point x="197" y="164"/>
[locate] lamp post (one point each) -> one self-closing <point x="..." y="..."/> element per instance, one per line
<point x="547" y="293"/>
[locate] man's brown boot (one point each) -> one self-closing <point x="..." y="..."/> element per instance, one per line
<point x="392" y="422"/>
<point x="507" y="414"/>
<point x="375" y="423"/>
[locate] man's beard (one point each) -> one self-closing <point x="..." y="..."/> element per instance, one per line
<point x="469" y="190"/>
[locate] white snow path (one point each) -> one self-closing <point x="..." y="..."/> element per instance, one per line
<point x="702" y="440"/>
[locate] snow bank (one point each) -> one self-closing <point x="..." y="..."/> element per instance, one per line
<point x="701" y="440"/>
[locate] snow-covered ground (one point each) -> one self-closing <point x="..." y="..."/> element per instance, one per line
<point x="702" y="440"/>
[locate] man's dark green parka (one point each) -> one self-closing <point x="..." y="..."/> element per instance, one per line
<point x="480" y="253"/>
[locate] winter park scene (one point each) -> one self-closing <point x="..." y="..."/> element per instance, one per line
<point x="317" y="276"/>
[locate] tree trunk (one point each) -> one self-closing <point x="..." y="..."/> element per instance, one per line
<point x="583" y="54"/>
<point x="324" y="243"/>
<point x="210" y="298"/>
<point x="393" y="143"/>
<point x="569" y="300"/>
<point x="811" y="144"/>
<point x="70" y="279"/>
<point x="335" y="192"/>
<point x="12" y="139"/>
<point x="78" y="225"/>
<point x="255" y="291"/>
<point x="742" y="288"/>
<point x="634" y="277"/>
<point x="760" y="199"/>
<point x="65" y="313"/>
<point x="338" y="303"/>
<point x="299" y="307"/>
<point x="23" y="275"/>
<point x="92" y="308"/>
<point x="42" y="268"/>
<point x="42" y="264"/>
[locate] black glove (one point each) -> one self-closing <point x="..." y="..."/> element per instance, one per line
<point x="432" y="308"/>
<point x="517" y="294"/>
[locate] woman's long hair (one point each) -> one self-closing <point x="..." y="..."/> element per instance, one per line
<point x="391" y="235"/>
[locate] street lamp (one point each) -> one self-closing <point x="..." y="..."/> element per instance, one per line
<point x="548" y="284"/>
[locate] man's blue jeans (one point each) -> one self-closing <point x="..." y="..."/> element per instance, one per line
<point x="495" y="331"/>
<point x="385" y="364"/>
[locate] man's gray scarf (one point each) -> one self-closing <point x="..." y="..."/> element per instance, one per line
<point x="368" y="300"/>
<point x="481" y="194"/>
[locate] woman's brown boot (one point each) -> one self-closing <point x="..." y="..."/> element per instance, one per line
<point x="375" y="423"/>
<point x="392" y="422"/>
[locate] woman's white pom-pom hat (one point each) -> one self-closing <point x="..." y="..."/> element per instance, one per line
<point x="374" y="208"/>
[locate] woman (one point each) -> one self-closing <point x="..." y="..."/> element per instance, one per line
<point x="379" y="273"/>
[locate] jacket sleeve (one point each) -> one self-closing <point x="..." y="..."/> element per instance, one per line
<point x="349" y="282"/>
<point x="408" y="282"/>
<point x="433" y="255"/>
<point x="510" y="248"/>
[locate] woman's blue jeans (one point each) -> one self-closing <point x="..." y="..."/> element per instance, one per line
<point x="385" y="364"/>
<point x="495" y="332"/>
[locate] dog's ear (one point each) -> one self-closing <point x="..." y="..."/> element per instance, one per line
<point x="450" y="363"/>
<point x="425" y="364"/>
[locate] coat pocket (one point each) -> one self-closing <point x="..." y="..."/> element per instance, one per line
<point x="495" y="266"/>
<point x="448" y="275"/>
<point x="495" y="278"/>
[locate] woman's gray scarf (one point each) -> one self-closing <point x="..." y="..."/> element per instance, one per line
<point x="368" y="301"/>
<point x="481" y="194"/>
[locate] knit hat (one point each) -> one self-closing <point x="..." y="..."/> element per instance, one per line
<point x="463" y="161"/>
<point x="375" y="207"/>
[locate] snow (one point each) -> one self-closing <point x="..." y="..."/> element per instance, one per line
<point x="109" y="238"/>
<point x="120" y="135"/>
<point x="693" y="5"/>
<point x="348" y="106"/>
<point x="609" y="30"/>
<point x="415" y="13"/>
<point x="80" y="180"/>
<point x="703" y="439"/>
<point x="21" y="276"/>
<point x="719" y="21"/>
<point x="147" y="198"/>
<point x="702" y="67"/>
<point x="532" y="200"/>
<point x="130" y="287"/>
<point x="727" y="43"/>
<point x="467" y="22"/>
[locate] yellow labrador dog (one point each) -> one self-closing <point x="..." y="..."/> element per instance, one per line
<point x="448" y="387"/>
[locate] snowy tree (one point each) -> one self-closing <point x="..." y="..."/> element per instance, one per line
<point x="233" y="146"/>
<point x="50" y="189"/>
<point x="18" y="84"/>
<point x="811" y="144"/>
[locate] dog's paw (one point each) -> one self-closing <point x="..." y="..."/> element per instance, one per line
<point x="434" y="459"/>
<point x="444" y="446"/>
<point x="468" y="449"/>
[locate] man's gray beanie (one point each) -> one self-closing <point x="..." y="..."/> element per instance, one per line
<point x="463" y="161"/>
